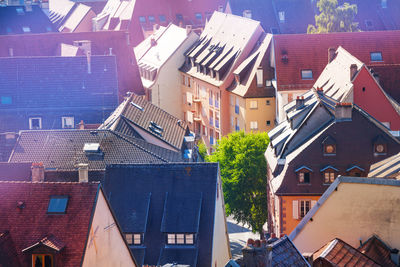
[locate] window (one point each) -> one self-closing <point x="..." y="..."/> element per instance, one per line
<point x="253" y="125"/>
<point x="142" y="19"/>
<point x="237" y="128"/>
<point x="217" y="99"/>
<point x="179" y="17"/>
<point x="304" y="177"/>
<point x="281" y="16"/>
<point x="152" y="19"/>
<point x="384" y="3"/>
<point x="237" y="106"/>
<point x="329" y="149"/>
<point x="20" y="11"/>
<point x="211" y="136"/>
<point x="210" y="98"/>
<point x="6" y="100"/>
<point x="376" y="56"/>
<point x="268" y="102"/>
<point x="216" y="120"/>
<point x="380" y="148"/>
<point x="133" y="239"/>
<point x="42" y="260"/>
<point x="180" y="239"/>
<point x="67" y="122"/>
<point x="306" y="74"/>
<point x="253" y="104"/>
<point x="162" y="18"/>
<point x="211" y="118"/>
<point x="199" y="16"/>
<point x="305" y="206"/>
<point x="329" y="176"/>
<point x="128" y="238"/>
<point x="35" y="123"/>
<point x="268" y="123"/>
<point x="26" y="29"/>
<point x="57" y="204"/>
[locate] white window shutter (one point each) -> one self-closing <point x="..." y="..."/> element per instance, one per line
<point x="313" y="202"/>
<point x="295" y="209"/>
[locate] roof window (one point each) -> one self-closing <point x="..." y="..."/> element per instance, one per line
<point x="20" y="11"/>
<point x="179" y="17"/>
<point x="281" y="15"/>
<point x="57" y="204"/>
<point x="26" y="29"/>
<point x="91" y="147"/>
<point x="376" y="56"/>
<point x="384" y="3"/>
<point x="199" y="16"/>
<point x="306" y="75"/>
<point x="152" y="19"/>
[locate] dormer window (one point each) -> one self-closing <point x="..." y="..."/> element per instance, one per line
<point x="329" y="174"/>
<point x="57" y="204"/>
<point x="329" y="146"/>
<point x="42" y="260"/>
<point x="303" y="175"/>
<point x="355" y="171"/>
<point x="180" y="239"/>
<point x="281" y="15"/>
<point x="134" y="239"/>
<point x="380" y="146"/>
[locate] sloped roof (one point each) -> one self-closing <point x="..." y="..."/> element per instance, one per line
<point x="145" y="45"/>
<point x="15" y="171"/>
<point x="177" y="180"/>
<point x="117" y="14"/>
<point x="136" y="111"/>
<point x="64" y="149"/>
<point x="14" y="18"/>
<point x="224" y="38"/>
<point x="8" y="253"/>
<point x="30" y="224"/>
<point x="75" y="18"/>
<point x="247" y="71"/>
<point x="285" y="253"/>
<point x="297" y="15"/>
<point x="339" y="253"/>
<point x="59" y="11"/>
<point x="377" y="250"/>
<point x="310" y="52"/>
<point x="389" y="168"/>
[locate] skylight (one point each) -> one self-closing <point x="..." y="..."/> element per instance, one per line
<point x="91" y="147"/>
<point x="376" y="56"/>
<point x="57" y="204"/>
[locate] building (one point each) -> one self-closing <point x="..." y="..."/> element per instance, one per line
<point x="299" y="60"/>
<point x="352" y="209"/>
<point x="225" y="43"/>
<point x="98" y="43"/>
<point x="320" y="140"/>
<point x="256" y="99"/>
<point x="65" y="153"/>
<point x="24" y="19"/>
<point x="159" y="58"/>
<point x="136" y="117"/>
<point x="171" y="214"/>
<point x="56" y="92"/>
<point x="387" y="168"/>
<point x="45" y="224"/>
<point x="15" y="171"/>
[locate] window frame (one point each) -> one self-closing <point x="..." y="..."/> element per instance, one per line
<point x="253" y="104"/>
<point x="63" y="125"/>
<point x="58" y="197"/>
<point x="31" y="122"/>
<point x="6" y="100"/>
<point x="373" y="55"/>
<point x="305" y="201"/>
<point x="34" y="256"/>
<point x="384" y="152"/>
<point x="304" y="75"/>
<point x="252" y="124"/>
<point x="185" y="239"/>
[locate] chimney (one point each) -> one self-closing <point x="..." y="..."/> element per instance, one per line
<point x="83" y="169"/>
<point x="81" y="125"/>
<point x="85" y="45"/>
<point x="89" y="67"/>
<point x="11" y="51"/>
<point x="28" y="6"/>
<point x="110" y="51"/>
<point x="188" y="29"/>
<point x="343" y="111"/>
<point x="331" y="54"/>
<point x="320" y="91"/>
<point x="247" y="14"/>
<point x="300" y="102"/>
<point x="353" y="71"/>
<point x="156" y="27"/>
<point x="37" y="169"/>
<point x="221" y="8"/>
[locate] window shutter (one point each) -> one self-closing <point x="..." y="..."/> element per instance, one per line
<point x="313" y="202"/>
<point x="295" y="209"/>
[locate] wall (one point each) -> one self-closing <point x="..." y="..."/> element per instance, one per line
<point x="221" y="247"/>
<point x="262" y="114"/>
<point x="352" y="213"/>
<point x="106" y="246"/>
<point x="166" y="91"/>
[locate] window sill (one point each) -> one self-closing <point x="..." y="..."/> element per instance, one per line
<point x="329" y="155"/>
<point x="304" y="184"/>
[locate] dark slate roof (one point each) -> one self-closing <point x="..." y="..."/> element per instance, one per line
<point x="389" y="167"/>
<point x="46" y="83"/>
<point x="8" y="253"/>
<point x="14" y="18"/>
<point x="339" y="253"/>
<point x="377" y="250"/>
<point x="137" y="112"/>
<point x="175" y="206"/>
<point x="63" y="149"/>
<point x="284" y="253"/>
<point x="31" y="224"/>
<point x="189" y="181"/>
<point x="15" y="171"/>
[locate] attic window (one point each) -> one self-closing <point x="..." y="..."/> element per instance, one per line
<point x="303" y="175"/>
<point x="35" y="123"/>
<point x="306" y="75"/>
<point x="180" y="239"/>
<point x="26" y="29"/>
<point x="329" y="174"/>
<point x="380" y="146"/>
<point x="91" y="147"/>
<point x="329" y="146"/>
<point x="281" y="15"/>
<point x="42" y="260"/>
<point x="179" y="17"/>
<point x="199" y="16"/>
<point x="152" y="19"/>
<point x="376" y="56"/>
<point x="133" y="239"/>
<point x="57" y="204"/>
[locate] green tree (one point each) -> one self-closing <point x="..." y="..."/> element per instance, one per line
<point x="333" y="18"/>
<point x="202" y="149"/>
<point x="243" y="172"/>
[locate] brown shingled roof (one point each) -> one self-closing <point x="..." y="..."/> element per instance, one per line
<point x="378" y="251"/>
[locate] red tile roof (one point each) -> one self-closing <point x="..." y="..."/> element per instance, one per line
<point x="15" y="171"/>
<point x="310" y="52"/>
<point x="378" y="251"/>
<point x="31" y="224"/>
<point x="101" y="42"/>
<point x="8" y="254"/>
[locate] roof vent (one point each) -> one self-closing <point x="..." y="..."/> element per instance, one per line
<point x="91" y="147"/>
<point x="20" y="205"/>
<point x="136" y="106"/>
<point x="285" y="58"/>
<point x="300" y="102"/>
<point x="153" y="41"/>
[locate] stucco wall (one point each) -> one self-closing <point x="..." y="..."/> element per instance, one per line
<point x="262" y="114"/>
<point x="106" y="246"/>
<point x="352" y="213"/>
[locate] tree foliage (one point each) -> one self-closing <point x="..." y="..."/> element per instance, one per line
<point x="202" y="149"/>
<point x="243" y="172"/>
<point x="333" y="18"/>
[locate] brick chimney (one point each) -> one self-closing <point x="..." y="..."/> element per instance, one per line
<point x="300" y="102"/>
<point x="331" y="54"/>
<point x="353" y="71"/>
<point x="83" y="169"/>
<point x="343" y="111"/>
<point x="188" y="29"/>
<point x="37" y="169"/>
